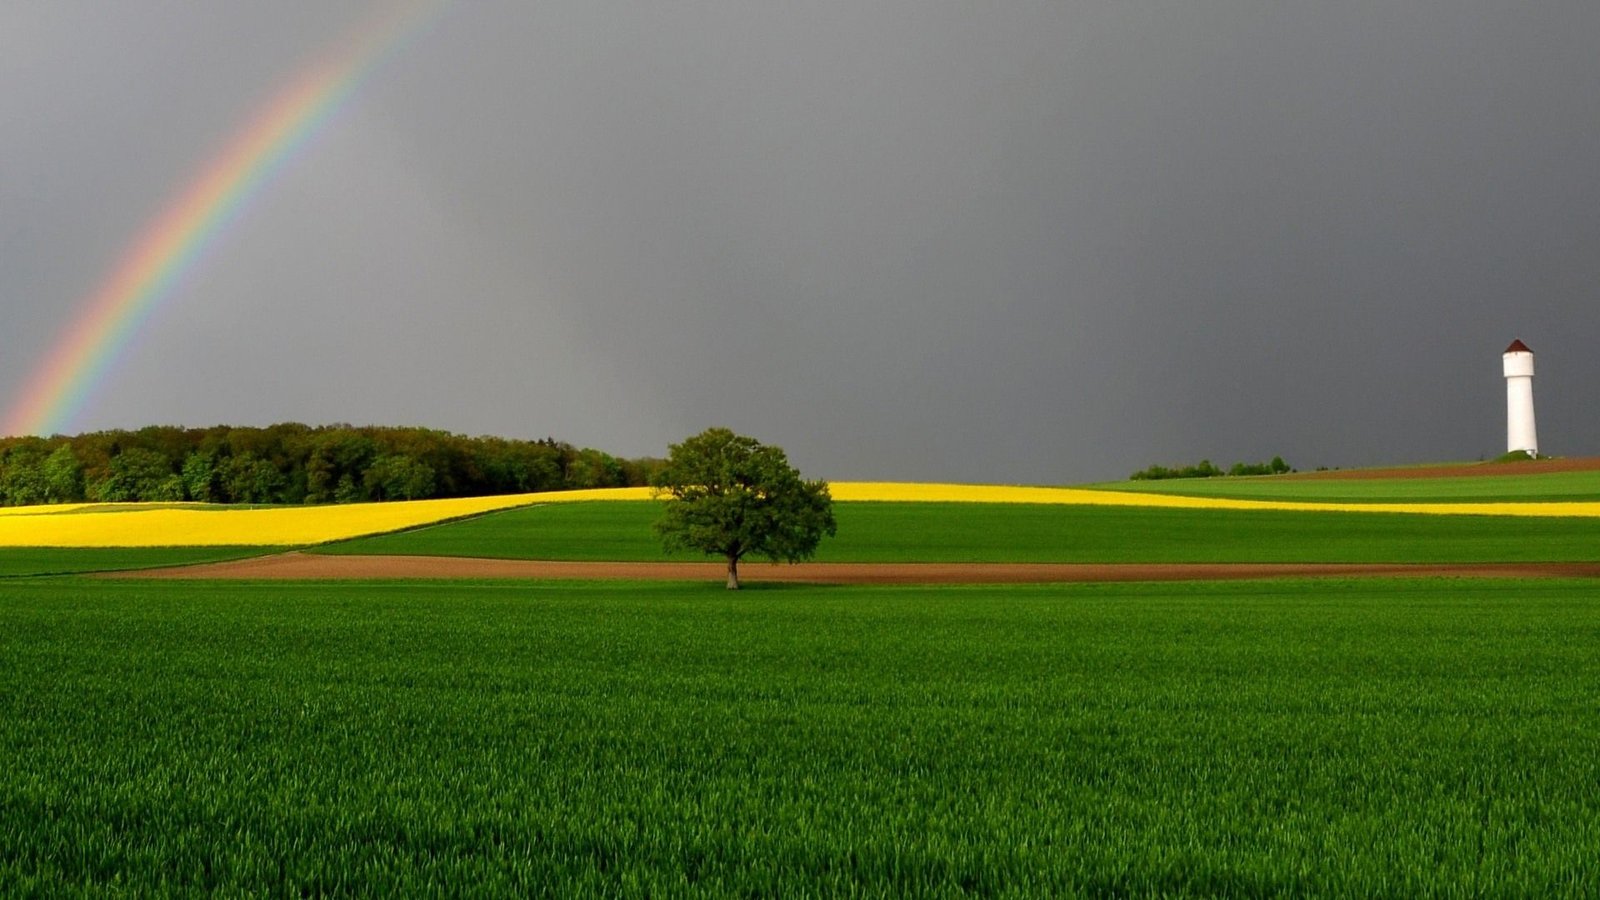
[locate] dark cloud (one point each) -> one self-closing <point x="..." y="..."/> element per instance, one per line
<point x="1042" y="242"/>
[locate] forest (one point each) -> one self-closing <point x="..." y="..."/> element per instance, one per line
<point x="294" y="463"/>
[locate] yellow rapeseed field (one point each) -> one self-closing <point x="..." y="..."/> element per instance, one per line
<point x="198" y="525"/>
<point x="981" y="493"/>
<point x="165" y="525"/>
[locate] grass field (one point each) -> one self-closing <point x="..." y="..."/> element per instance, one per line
<point x="959" y="532"/>
<point x="1416" y="738"/>
<point x="18" y="561"/>
<point x="1512" y="488"/>
<point x="1426" y="737"/>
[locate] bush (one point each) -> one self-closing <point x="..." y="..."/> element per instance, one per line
<point x="1205" y="469"/>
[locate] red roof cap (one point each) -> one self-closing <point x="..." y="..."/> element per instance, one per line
<point x="1518" y="347"/>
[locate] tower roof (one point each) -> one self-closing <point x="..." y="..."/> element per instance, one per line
<point x="1518" y="347"/>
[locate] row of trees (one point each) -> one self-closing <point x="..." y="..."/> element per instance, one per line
<point x="294" y="463"/>
<point x="1205" y="469"/>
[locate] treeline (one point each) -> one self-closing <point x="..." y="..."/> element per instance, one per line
<point x="294" y="463"/>
<point x="1205" y="469"/>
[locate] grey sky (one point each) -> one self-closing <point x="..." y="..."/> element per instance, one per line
<point x="1020" y="241"/>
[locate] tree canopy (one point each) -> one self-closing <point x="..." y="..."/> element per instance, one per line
<point x="732" y="496"/>
<point x="294" y="463"/>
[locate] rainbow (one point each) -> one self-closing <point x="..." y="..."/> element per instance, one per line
<point x="171" y="244"/>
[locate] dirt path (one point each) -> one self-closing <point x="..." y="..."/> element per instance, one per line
<point x="304" y="566"/>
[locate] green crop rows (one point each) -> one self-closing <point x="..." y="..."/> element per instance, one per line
<point x="1428" y="737"/>
<point x="1366" y="738"/>
<point x="982" y="532"/>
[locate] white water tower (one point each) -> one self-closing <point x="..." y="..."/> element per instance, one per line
<point x="1518" y="360"/>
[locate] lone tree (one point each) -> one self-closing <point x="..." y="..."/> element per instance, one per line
<point x="731" y="496"/>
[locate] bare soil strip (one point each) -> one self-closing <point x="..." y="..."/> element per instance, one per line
<point x="306" y="567"/>
<point x="1528" y="467"/>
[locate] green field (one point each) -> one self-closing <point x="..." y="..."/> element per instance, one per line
<point x="15" y="561"/>
<point x="1408" y="738"/>
<point x="1427" y="737"/>
<point x="1546" y="487"/>
<point x="982" y="532"/>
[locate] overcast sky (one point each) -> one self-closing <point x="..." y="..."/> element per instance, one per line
<point x="1040" y="242"/>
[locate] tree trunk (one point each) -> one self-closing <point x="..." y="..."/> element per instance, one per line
<point x="733" y="573"/>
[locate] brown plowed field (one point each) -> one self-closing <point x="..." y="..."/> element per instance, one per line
<point x="304" y="566"/>
<point x="1529" y="467"/>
